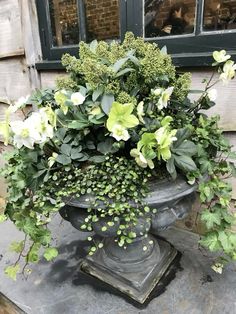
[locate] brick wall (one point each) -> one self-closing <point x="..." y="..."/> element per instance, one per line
<point x="102" y="19"/>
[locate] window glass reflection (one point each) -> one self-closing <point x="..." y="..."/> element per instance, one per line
<point x="219" y="15"/>
<point x="102" y="19"/>
<point x="169" y="17"/>
<point x="64" y="22"/>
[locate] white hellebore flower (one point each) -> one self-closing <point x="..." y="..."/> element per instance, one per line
<point x="157" y="91"/>
<point x="140" y="159"/>
<point x="40" y="121"/>
<point x="25" y="134"/>
<point x="220" y="56"/>
<point x="140" y="112"/>
<point x="120" y="133"/>
<point x="77" y="98"/>
<point x="212" y="94"/>
<point x="35" y="129"/>
<point x="228" y="71"/>
<point x="165" y="97"/>
<point x="19" y="104"/>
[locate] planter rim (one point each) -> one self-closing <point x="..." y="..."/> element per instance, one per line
<point x="161" y="191"/>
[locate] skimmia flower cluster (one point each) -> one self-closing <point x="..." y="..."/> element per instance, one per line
<point x="122" y="114"/>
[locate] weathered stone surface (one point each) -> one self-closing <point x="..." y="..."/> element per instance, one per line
<point x="57" y="288"/>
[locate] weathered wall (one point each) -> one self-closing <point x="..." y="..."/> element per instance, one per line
<point x="20" y="49"/>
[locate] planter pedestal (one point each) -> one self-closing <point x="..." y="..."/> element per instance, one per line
<point x="136" y="278"/>
<point x="138" y="268"/>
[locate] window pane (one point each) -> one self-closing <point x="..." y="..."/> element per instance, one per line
<point x="64" y="22"/>
<point x="219" y="15"/>
<point x="169" y="17"/>
<point x="102" y="17"/>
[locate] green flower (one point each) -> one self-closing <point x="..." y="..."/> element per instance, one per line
<point x="164" y="138"/>
<point x="61" y="97"/>
<point x="220" y="56"/>
<point x="121" y="114"/>
<point x="164" y="96"/>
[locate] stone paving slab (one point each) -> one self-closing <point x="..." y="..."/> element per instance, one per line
<point x="58" y="288"/>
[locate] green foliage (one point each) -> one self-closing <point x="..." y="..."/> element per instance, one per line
<point x="121" y="116"/>
<point x="50" y="253"/>
<point x="11" y="271"/>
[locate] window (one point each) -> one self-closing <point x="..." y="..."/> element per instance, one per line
<point x="191" y="29"/>
<point x="64" y="23"/>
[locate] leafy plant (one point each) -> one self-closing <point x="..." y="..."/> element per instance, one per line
<point x="121" y="116"/>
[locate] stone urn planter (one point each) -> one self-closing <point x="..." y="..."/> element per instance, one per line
<point x="137" y="269"/>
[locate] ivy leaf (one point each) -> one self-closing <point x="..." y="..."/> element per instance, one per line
<point x="185" y="163"/>
<point x="225" y="242"/>
<point x="50" y="253"/>
<point x="211" y="219"/>
<point x="211" y="241"/>
<point x="107" y="101"/>
<point x="17" y="246"/>
<point x="33" y="254"/>
<point x="11" y="271"/>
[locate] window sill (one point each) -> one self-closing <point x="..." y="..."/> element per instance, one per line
<point x="49" y="65"/>
<point x="195" y="60"/>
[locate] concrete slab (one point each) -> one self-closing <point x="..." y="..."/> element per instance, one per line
<point x="57" y="288"/>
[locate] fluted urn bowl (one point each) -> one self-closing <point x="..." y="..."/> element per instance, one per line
<point x="138" y="268"/>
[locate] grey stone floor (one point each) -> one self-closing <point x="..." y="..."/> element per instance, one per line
<point x="56" y="287"/>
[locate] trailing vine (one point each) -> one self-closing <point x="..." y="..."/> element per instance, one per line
<point x="121" y="116"/>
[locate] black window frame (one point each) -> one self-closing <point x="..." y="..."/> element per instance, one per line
<point x="132" y="19"/>
<point x="205" y="41"/>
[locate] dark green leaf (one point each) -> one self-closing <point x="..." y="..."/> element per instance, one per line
<point x="97" y="159"/>
<point x="65" y="149"/>
<point x="106" y="147"/>
<point x="122" y="72"/>
<point x="170" y="166"/>
<point x="75" y="154"/>
<point x="78" y="125"/>
<point x="116" y="67"/>
<point x="185" y="163"/>
<point x="107" y="101"/>
<point x="98" y="92"/>
<point x="182" y="134"/>
<point x="63" y="159"/>
<point x="211" y="218"/>
<point x="186" y="148"/>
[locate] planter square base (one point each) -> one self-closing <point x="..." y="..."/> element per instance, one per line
<point x="135" y="279"/>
